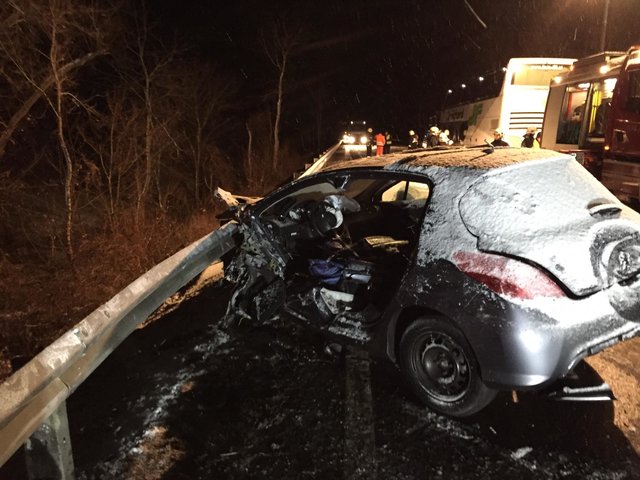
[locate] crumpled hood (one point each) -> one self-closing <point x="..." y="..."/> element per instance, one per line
<point x="555" y="214"/>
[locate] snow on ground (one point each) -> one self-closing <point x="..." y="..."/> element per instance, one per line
<point x="150" y="453"/>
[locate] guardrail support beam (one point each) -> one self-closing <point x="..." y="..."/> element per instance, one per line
<point x="48" y="450"/>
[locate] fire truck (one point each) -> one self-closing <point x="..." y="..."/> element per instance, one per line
<point x="593" y="112"/>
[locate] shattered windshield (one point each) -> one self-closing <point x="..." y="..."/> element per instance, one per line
<point x="541" y="211"/>
<point x="361" y="187"/>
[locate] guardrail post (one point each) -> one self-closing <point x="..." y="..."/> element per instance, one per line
<point x="48" y="450"/>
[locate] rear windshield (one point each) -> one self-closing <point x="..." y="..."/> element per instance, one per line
<point x="539" y="211"/>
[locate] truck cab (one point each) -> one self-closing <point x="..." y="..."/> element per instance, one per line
<point x="621" y="164"/>
<point x="593" y="113"/>
<point x="578" y="108"/>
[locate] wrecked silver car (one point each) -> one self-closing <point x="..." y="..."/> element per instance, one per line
<point x="474" y="271"/>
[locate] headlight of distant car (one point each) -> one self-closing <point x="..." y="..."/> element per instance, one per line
<point x="348" y="138"/>
<point x="363" y="139"/>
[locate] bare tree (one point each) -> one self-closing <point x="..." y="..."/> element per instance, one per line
<point x="55" y="58"/>
<point x="113" y="138"/>
<point x="25" y="44"/>
<point x="159" y="125"/>
<point x="142" y="68"/>
<point x="279" y="44"/>
<point x="149" y="68"/>
<point x="202" y="97"/>
<point x="248" y="163"/>
<point x="257" y="164"/>
<point x="43" y="44"/>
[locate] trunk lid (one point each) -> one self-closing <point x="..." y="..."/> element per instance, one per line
<point x="555" y="214"/>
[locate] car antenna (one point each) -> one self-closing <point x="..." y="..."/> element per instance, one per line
<point x="490" y="148"/>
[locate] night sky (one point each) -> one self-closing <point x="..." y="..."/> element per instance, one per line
<point x="387" y="61"/>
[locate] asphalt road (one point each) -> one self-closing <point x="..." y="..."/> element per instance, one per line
<point x="183" y="398"/>
<point x="351" y="152"/>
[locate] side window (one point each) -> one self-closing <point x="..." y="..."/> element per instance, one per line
<point x="406" y="192"/>
<point x="395" y="193"/>
<point x="633" y="98"/>
<point x="602" y="94"/>
<point x="570" y="121"/>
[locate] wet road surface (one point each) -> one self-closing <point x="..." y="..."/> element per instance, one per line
<point x="346" y="153"/>
<point x="185" y="399"/>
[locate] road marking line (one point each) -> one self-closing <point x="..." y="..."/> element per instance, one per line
<point x="359" y="430"/>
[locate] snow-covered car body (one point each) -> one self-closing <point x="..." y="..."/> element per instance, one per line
<point x="475" y="271"/>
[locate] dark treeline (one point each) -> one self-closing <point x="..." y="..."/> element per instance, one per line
<point x="124" y="120"/>
<point x="113" y="139"/>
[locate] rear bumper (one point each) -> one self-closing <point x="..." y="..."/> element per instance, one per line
<point x="519" y="345"/>
<point x="543" y="344"/>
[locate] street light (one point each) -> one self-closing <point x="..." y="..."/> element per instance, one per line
<point x="446" y="95"/>
<point x="603" y="33"/>
<point x="444" y="101"/>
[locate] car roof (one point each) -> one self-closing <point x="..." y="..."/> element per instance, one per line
<point x="474" y="158"/>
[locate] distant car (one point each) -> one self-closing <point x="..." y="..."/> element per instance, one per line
<point x="355" y="139"/>
<point x="473" y="270"/>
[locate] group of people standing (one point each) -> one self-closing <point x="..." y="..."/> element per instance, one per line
<point x="382" y="141"/>
<point x="531" y="139"/>
<point x="435" y="137"/>
<point x="432" y="138"/>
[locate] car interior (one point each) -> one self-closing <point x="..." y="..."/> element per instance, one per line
<point x="350" y="242"/>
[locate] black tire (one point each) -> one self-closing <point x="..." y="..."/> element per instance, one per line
<point x="441" y="368"/>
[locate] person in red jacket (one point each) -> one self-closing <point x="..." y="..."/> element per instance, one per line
<point x="380" y="141"/>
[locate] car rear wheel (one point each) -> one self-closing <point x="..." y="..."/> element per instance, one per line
<point x="440" y="366"/>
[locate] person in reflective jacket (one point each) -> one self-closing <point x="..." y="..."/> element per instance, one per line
<point x="380" y="141"/>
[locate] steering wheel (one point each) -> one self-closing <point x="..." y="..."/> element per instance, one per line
<point x="325" y="217"/>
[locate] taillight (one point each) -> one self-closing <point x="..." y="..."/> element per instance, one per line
<point x="507" y="276"/>
<point x="621" y="259"/>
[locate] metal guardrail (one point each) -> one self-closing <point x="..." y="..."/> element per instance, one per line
<point x="319" y="162"/>
<point x="32" y="400"/>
